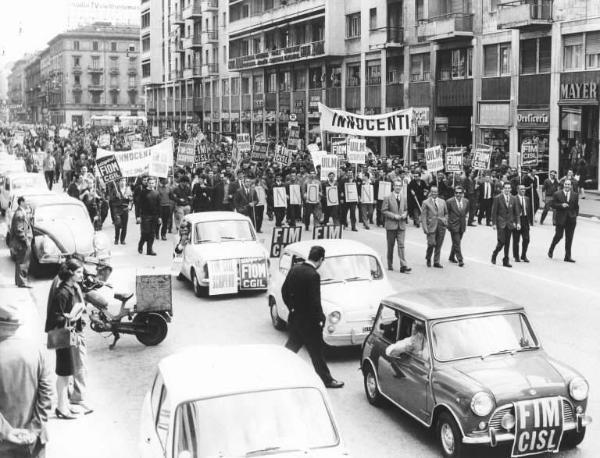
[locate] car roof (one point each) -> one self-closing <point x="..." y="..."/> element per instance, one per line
<point x="53" y="199"/>
<point x="215" y="216"/>
<point x="209" y="371"/>
<point x="433" y="304"/>
<point x="333" y="247"/>
<point x="17" y="174"/>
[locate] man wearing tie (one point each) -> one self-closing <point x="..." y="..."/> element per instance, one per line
<point x="566" y="207"/>
<point x="395" y="212"/>
<point x="525" y="220"/>
<point x="434" y="218"/>
<point x="505" y="218"/>
<point x="485" y="200"/>
<point x="245" y="199"/>
<point x="458" y="208"/>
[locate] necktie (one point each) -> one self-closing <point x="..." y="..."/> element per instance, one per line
<point x="507" y="201"/>
<point x="523" y="206"/>
<point x="398" y="202"/>
<point x="435" y="204"/>
<point x="567" y="195"/>
<point x="459" y="204"/>
<point x="487" y="190"/>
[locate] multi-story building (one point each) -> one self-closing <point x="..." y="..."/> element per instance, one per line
<point x="16" y="91"/>
<point x="33" y="90"/>
<point x="503" y="73"/>
<point x="93" y="70"/>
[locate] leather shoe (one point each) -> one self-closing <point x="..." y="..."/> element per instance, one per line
<point x="405" y="269"/>
<point x="494" y="258"/>
<point x="140" y="251"/>
<point x="333" y="383"/>
<point x="472" y="225"/>
<point x="390" y="268"/>
<point x="428" y="262"/>
<point x="452" y="260"/>
<point x="517" y="260"/>
<point x="507" y="264"/>
<point x="550" y="254"/>
<point x="151" y="253"/>
<point x="354" y="229"/>
<point x="524" y="259"/>
<point x="164" y="237"/>
<point x="460" y="263"/>
<point x="566" y="260"/>
<point x="438" y="265"/>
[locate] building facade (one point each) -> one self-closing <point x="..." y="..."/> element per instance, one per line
<point x="16" y="91"/>
<point x="93" y="70"/>
<point x="510" y="74"/>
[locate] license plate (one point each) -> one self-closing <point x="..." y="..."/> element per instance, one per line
<point x="367" y="328"/>
<point x="538" y="426"/>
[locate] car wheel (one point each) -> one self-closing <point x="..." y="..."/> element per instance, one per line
<point x="449" y="436"/>
<point x="199" y="290"/>
<point x="277" y="322"/>
<point x="572" y="439"/>
<point x="371" y="389"/>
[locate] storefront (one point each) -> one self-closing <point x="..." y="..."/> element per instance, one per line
<point x="494" y="131"/>
<point x="579" y="126"/>
<point x="534" y="133"/>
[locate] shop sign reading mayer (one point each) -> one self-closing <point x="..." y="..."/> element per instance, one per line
<point x="579" y="91"/>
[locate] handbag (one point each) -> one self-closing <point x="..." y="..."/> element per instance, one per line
<point x="62" y="338"/>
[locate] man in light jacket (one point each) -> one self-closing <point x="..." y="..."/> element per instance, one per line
<point x="434" y="217"/>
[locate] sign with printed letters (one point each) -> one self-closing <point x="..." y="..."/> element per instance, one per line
<point x="312" y="193"/>
<point x="329" y="164"/>
<point x="282" y="237"/>
<point x="260" y="151"/>
<point x="243" y="143"/>
<point x="331" y="193"/>
<point x="529" y="153"/>
<point x="394" y="124"/>
<point x="282" y="156"/>
<point x="109" y="169"/>
<point x="351" y="192"/>
<point x="138" y="161"/>
<point x="64" y="133"/>
<point x="295" y="196"/>
<point x="222" y="276"/>
<point x="338" y="146"/>
<point x="357" y="151"/>
<point x="327" y="231"/>
<point x="293" y="136"/>
<point x="104" y="140"/>
<point x="279" y="197"/>
<point x="137" y="144"/>
<point x="454" y="159"/>
<point x="366" y="194"/>
<point x="186" y="154"/>
<point x="384" y="190"/>
<point x="482" y="157"/>
<point x="155" y="131"/>
<point x="316" y="156"/>
<point x="538" y="426"/>
<point x="434" y="158"/>
<point x="254" y="273"/>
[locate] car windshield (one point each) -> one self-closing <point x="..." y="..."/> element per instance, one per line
<point x="350" y="268"/>
<point x="254" y="424"/>
<point x="61" y="212"/>
<point x="482" y="336"/>
<point x="33" y="181"/>
<point x="219" y="231"/>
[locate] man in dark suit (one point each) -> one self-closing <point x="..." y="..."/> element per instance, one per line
<point x="395" y="212"/>
<point x="244" y="199"/>
<point x="148" y="216"/>
<point x="486" y="195"/>
<point x="525" y="220"/>
<point x="458" y="209"/>
<point x="21" y="236"/>
<point x="566" y="208"/>
<point x="301" y="292"/>
<point x="505" y="218"/>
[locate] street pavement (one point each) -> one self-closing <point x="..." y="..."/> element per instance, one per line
<point x="562" y="300"/>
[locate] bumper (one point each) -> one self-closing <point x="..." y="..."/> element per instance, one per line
<point x="60" y="258"/>
<point x="344" y="339"/>
<point x="492" y="437"/>
<point x="205" y="283"/>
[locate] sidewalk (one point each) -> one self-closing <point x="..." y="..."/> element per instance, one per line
<point x="590" y="206"/>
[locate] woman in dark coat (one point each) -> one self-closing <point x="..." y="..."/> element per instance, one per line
<point x="65" y="308"/>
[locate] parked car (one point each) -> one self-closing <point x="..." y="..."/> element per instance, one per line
<point x="237" y="402"/>
<point x="353" y="283"/>
<point x="61" y="227"/>
<point x="223" y="255"/>
<point x="19" y="182"/>
<point x="13" y="204"/>
<point x="477" y="373"/>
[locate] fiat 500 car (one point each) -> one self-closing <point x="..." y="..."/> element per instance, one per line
<point x="222" y="254"/>
<point x="62" y="227"/>
<point x="246" y="409"/>
<point x="352" y="286"/>
<point x="469" y="365"/>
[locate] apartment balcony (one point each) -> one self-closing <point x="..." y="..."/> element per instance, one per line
<point x="393" y="36"/>
<point x="196" y="41"/>
<point x="211" y="69"/>
<point x="211" y="5"/>
<point x="193" y="11"/>
<point x="212" y="36"/>
<point x="175" y="74"/>
<point x="114" y="88"/>
<point x="76" y="70"/>
<point x="178" y="18"/>
<point x="180" y="45"/>
<point x="289" y="54"/>
<point x="131" y="71"/>
<point x="192" y="72"/>
<point x="114" y="70"/>
<point x="95" y="69"/>
<point x="524" y="14"/>
<point x="132" y="88"/>
<point x="446" y="27"/>
<point x="95" y="87"/>
<point x="76" y="88"/>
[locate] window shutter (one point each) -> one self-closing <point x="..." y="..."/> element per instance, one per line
<point x="528" y="56"/>
<point x="490" y="60"/>
<point x="592" y="43"/>
<point x="573" y="40"/>
<point x="545" y="54"/>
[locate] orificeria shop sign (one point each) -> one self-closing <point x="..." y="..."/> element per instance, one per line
<point x="533" y="119"/>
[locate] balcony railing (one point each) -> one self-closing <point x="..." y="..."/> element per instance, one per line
<point x="77" y="69"/>
<point x="114" y="70"/>
<point x="211" y="35"/>
<point x="95" y="87"/>
<point x="211" y="5"/>
<point x="516" y="14"/>
<point x="178" y="18"/>
<point x="132" y="71"/>
<point x="212" y="68"/>
<point x="290" y="53"/>
<point x="196" y="40"/>
<point x="394" y="35"/>
<point x="448" y="26"/>
<point x="92" y="69"/>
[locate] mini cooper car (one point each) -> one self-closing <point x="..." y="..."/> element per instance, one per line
<point x="352" y="285"/>
<point x="238" y="402"/>
<point x="222" y="255"/>
<point x="469" y="365"/>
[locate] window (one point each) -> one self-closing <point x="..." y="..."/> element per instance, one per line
<point x="146" y="69"/>
<point x="299" y="80"/>
<point x="245" y="85"/>
<point x="225" y="87"/>
<point x="235" y="86"/>
<point x="334" y="76"/>
<point x="94" y="46"/>
<point x="592" y="50"/>
<point x="420" y="10"/>
<point x="470" y="63"/>
<point x="132" y="98"/>
<point x="285" y="81"/>
<point x="545" y="54"/>
<point x="353" y="25"/>
<point x="490" y="60"/>
<point x="373" y="74"/>
<point x="95" y="98"/>
<point x="372" y="18"/>
<point x="573" y="52"/>
<point x="132" y="82"/>
<point x="455" y="64"/>
<point x="76" y="45"/>
<point x="529" y="56"/>
<point x="271" y="82"/>
<point x="419" y="67"/>
<point x="96" y="80"/>
<point x="113" y="45"/>
<point x="387" y="324"/>
<point x="146" y="20"/>
<point x="146" y="43"/>
<point x="315" y="77"/>
<point x="493" y="5"/>
<point x="505" y="59"/>
<point x="353" y="75"/>
<point x="95" y="62"/>
<point x="257" y="84"/>
<point x="77" y="97"/>
<point x="77" y="79"/>
<point x="114" y="62"/>
<point x="114" y="97"/>
<point x="76" y="61"/>
<point x="225" y="54"/>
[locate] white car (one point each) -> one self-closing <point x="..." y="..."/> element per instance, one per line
<point x="353" y="282"/>
<point x="13" y="204"/>
<point x="237" y="401"/>
<point x="223" y="255"/>
<point x="20" y="182"/>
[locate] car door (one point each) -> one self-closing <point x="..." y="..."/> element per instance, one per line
<point x="385" y="333"/>
<point x="155" y="422"/>
<point x="188" y="262"/>
<point x="285" y="263"/>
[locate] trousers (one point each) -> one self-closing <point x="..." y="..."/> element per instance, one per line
<point x="435" y="240"/>
<point x="395" y="236"/>
<point x="312" y="339"/>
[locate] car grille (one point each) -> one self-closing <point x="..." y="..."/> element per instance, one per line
<point x="497" y="416"/>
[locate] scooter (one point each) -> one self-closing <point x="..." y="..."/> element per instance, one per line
<point x="150" y="328"/>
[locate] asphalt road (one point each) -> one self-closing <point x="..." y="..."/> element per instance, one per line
<point x="562" y="301"/>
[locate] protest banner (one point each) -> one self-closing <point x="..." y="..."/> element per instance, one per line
<point x="283" y="236"/>
<point x="109" y="169"/>
<point x="329" y="164"/>
<point x="434" y="158"/>
<point x="104" y="140"/>
<point x="366" y="194"/>
<point x="186" y="154"/>
<point x="482" y="157"/>
<point x="327" y="231"/>
<point x="529" y="153"/>
<point x="254" y="273"/>
<point x="222" y="276"/>
<point x="312" y="193"/>
<point x="293" y="136"/>
<point x="384" y="190"/>
<point x="115" y="129"/>
<point x="137" y="162"/>
<point x="243" y="143"/>
<point x="295" y="196"/>
<point x="454" y="159"/>
<point x="338" y="146"/>
<point x="331" y="194"/>
<point x="351" y="192"/>
<point x="282" y="156"/>
<point x="279" y="197"/>
<point x="357" y="151"/>
<point x="312" y="147"/>
<point x="394" y="124"/>
<point x="260" y="151"/>
<point x="64" y="133"/>
<point x="33" y="133"/>
<point x="161" y="160"/>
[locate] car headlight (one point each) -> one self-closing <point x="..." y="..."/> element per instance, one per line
<point x="578" y="389"/>
<point x="482" y="404"/>
<point x="49" y="247"/>
<point x="205" y="270"/>
<point x="335" y="317"/>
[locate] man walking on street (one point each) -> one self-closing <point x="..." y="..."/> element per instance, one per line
<point x="458" y="208"/>
<point x="21" y="235"/>
<point x="395" y="212"/>
<point x="49" y="165"/>
<point x="148" y="216"/>
<point x="549" y="187"/>
<point x="505" y="218"/>
<point x="434" y="218"/>
<point x="486" y="195"/>
<point x="301" y="292"/>
<point x="566" y="207"/>
<point x="525" y="220"/>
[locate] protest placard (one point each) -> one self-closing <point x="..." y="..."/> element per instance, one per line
<point x="312" y="147"/>
<point x="357" y="151"/>
<point x="529" y="153"/>
<point x="104" y="140"/>
<point x="329" y="164"/>
<point x="161" y="159"/>
<point x="155" y="131"/>
<point x="64" y="133"/>
<point x="293" y="136"/>
<point x="454" y="159"/>
<point x="108" y="168"/>
<point x="366" y="194"/>
<point x="295" y="196"/>
<point x="482" y="157"/>
<point x="434" y="158"/>
<point x="186" y="154"/>
<point x="327" y="231"/>
<point x="279" y="197"/>
<point x="384" y="190"/>
<point x="316" y="156"/>
<point x="338" y="146"/>
<point x="351" y="192"/>
<point x="254" y="273"/>
<point x="243" y="143"/>
<point x="283" y="236"/>
<point x="282" y="156"/>
<point x="312" y="193"/>
<point x="260" y="151"/>
<point x="331" y="193"/>
<point x="222" y="277"/>
<point x="201" y="155"/>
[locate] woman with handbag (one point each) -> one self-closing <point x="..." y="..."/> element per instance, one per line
<point x="64" y="327"/>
